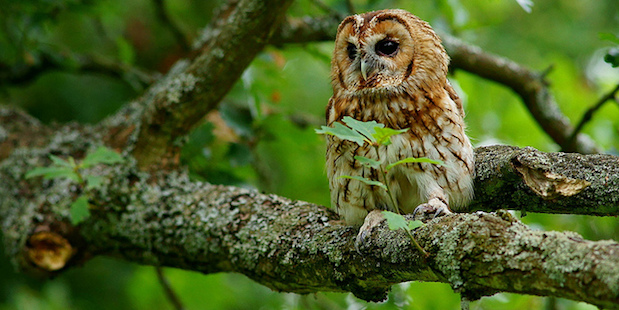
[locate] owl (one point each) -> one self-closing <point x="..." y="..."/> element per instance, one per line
<point x="390" y="67"/>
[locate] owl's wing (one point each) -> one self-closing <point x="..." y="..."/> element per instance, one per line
<point x="454" y="96"/>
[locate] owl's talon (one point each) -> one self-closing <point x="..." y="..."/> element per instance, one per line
<point x="430" y="210"/>
<point x="372" y="220"/>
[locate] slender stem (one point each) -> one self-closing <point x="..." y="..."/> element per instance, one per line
<point x="169" y="292"/>
<point x="586" y="117"/>
<point x="415" y="243"/>
<point x="384" y="174"/>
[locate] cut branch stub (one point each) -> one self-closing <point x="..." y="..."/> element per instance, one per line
<point x="546" y="184"/>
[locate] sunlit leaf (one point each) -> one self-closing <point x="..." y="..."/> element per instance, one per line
<point x="341" y="131"/>
<point x="59" y="161"/>
<point x="607" y="36"/>
<point x="368" y="162"/>
<point x="93" y="181"/>
<point x="79" y="210"/>
<point x="383" y="135"/>
<point x="102" y="155"/>
<point x="364" y="180"/>
<point x="395" y="221"/>
<point x="53" y="172"/>
<point x="414" y="224"/>
<point x="415" y="160"/>
<point x="367" y="129"/>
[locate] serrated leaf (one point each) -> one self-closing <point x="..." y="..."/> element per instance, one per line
<point x="53" y="173"/>
<point x="415" y="160"/>
<point x="59" y="161"/>
<point x="79" y="210"/>
<point x="102" y="155"/>
<point x="607" y="36"/>
<point x="383" y="135"/>
<point x="341" y="131"/>
<point x="368" y="162"/>
<point x="366" y="129"/>
<point x="395" y="221"/>
<point x="93" y="181"/>
<point x="364" y="180"/>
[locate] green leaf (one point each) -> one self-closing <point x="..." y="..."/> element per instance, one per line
<point x="415" y="160"/>
<point x="395" y="221"/>
<point x="53" y="172"/>
<point x="126" y="53"/>
<point x="59" y="161"/>
<point x="93" y="181"/>
<point x="612" y="57"/>
<point x="367" y="129"/>
<point x="414" y="224"/>
<point x="102" y="155"/>
<point x="79" y="210"/>
<point x="368" y="162"/>
<point x="607" y="36"/>
<point x="383" y="135"/>
<point x="365" y="180"/>
<point x="342" y="132"/>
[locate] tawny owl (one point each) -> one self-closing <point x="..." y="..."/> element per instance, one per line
<point x="389" y="66"/>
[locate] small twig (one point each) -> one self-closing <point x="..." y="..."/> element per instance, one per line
<point x="169" y="292"/>
<point x="164" y="18"/>
<point x="586" y="117"/>
<point x="20" y="74"/>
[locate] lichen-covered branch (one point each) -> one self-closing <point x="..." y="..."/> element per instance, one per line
<point x="167" y="220"/>
<point x="178" y="103"/>
<point x="529" y="180"/>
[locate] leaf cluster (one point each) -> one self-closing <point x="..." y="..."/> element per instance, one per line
<point x="74" y="171"/>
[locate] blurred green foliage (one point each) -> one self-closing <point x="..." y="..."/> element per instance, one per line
<point x="263" y="134"/>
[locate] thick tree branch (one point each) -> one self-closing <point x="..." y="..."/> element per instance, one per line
<point x="191" y="90"/>
<point x="164" y="219"/>
<point x="167" y="220"/>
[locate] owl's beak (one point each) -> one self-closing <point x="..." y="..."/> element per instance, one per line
<point x="364" y="69"/>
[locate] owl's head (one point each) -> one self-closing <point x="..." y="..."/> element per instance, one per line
<point x="379" y="51"/>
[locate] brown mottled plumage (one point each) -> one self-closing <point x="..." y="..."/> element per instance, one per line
<point x="389" y="66"/>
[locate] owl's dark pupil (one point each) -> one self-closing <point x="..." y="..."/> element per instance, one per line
<point x="387" y="47"/>
<point x="352" y="51"/>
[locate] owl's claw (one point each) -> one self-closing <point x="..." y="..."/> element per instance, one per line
<point x="372" y="220"/>
<point x="430" y="210"/>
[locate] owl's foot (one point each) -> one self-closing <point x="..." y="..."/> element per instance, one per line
<point x="372" y="220"/>
<point x="431" y="209"/>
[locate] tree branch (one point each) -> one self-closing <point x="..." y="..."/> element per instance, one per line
<point x="191" y="90"/>
<point x="612" y="95"/>
<point x="167" y="220"/>
<point x="47" y="62"/>
<point x="164" y="219"/>
<point x="164" y="18"/>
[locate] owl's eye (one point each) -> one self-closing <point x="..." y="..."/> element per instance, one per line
<point x="387" y="47"/>
<point x="352" y="51"/>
